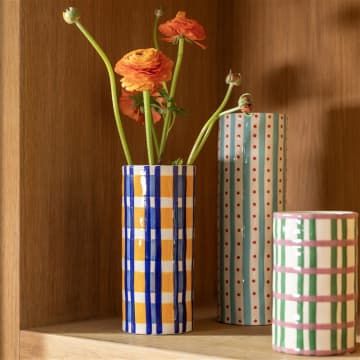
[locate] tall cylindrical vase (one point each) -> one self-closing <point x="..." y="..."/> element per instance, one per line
<point x="251" y="183"/>
<point x="157" y="243"/>
<point x="314" y="283"/>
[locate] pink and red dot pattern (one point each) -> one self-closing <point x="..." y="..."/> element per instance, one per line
<point x="232" y="156"/>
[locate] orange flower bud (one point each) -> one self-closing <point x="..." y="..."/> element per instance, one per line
<point x="144" y="69"/>
<point x="182" y="26"/>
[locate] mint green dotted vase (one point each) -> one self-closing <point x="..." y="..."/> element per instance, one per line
<point x="252" y="167"/>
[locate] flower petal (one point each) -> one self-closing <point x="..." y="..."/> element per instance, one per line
<point x="183" y="26"/>
<point x="144" y="69"/>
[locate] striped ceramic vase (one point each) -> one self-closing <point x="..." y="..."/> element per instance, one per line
<point x="251" y="186"/>
<point x="314" y="282"/>
<point x="157" y="242"/>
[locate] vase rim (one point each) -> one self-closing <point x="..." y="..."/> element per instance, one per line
<point x="255" y="113"/>
<point x="163" y="166"/>
<point x="315" y="214"/>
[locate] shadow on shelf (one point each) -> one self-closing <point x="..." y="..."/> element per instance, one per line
<point x="204" y="325"/>
<point x="341" y="139"/>
<point x="348" y="17"/>
<point x="341" y="188"/>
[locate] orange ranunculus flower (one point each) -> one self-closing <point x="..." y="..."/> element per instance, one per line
<point x="130" y="105"/>
<point x="144" y="69"/>
<point x="183" y="26"/>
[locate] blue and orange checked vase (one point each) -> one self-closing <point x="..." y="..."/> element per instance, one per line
<point x="251" y="183"/>
<point x="314" y="282"/>
<point x="157" y="249"/>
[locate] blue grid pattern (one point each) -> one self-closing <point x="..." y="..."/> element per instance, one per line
<point x="151" y="267"/>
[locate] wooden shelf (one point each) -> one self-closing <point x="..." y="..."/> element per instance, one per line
<point x="60" y="157"/>
<point x="103" y="339"/>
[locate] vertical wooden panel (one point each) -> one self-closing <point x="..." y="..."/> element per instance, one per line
<point x="300" y="57"/>
<point x="9" y="179"/>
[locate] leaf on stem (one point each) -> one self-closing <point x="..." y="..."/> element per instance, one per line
<point x="178" y="161"/>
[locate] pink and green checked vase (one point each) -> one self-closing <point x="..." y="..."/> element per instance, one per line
<point x="314" y="282"/>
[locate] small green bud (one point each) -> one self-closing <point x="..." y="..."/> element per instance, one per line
<point x="245" y="99"/>
<point x="233" y="78"/>
<point x="159" y="12"/>
<point x="245" y="103"/>
<point x="71" y="15"/>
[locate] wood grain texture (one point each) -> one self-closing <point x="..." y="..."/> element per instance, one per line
<point x="102" y="339"/>
<point x="9" y="179"/>
<point x="46" y="346"/>
<point x="302" y="60"/>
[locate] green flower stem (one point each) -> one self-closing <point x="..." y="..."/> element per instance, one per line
<point x="156" y="44"/>
<point x="165" y="87"/>
<point x="244" y="100"/>
<point x="155" y="139"/>
<point x="174" y="81"/>
<point x="179" y="59"/>
<point x="172" y="122"/>
<point x="148" y="121"/>
<point x="114" y="95"/>
<point x="206" y="130"/>
<point x="229" y="111"/>
<point x="155" y="32"/>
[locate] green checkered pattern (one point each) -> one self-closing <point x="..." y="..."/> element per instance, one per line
<point x="314" y="279"/>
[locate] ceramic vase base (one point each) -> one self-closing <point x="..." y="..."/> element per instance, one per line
<point x="239" y="322"/>
<point x="167" y="329"/>
<point x="313" y="352"/>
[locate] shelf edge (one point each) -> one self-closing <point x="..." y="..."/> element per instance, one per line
<point x="41" y="346"/>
